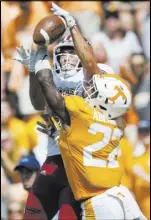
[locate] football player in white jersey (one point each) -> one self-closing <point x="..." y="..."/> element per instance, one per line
<point x="106" y="93"/>
<point x="67" y="74"/>
<point x="51" y="192"/>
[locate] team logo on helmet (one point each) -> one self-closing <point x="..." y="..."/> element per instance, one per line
<point x="108" y="93"/>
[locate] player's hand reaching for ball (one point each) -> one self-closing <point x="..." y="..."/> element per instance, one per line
<point x="69" y="20"/>
<point x="27" y="58"/>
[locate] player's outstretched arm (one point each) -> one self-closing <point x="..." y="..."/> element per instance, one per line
<point x="36" y="96"/>
<point x="82" y="47"/>
<point x="53" y="97"/>
<point x="85" y="53"/>
<point x="28" y="59"/>
<point x="35" y="93"/>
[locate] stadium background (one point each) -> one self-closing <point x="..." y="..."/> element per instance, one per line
<point x="127" y="51"/>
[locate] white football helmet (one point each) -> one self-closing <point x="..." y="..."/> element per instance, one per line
<point x="66" y="63"/>
<point x="108" y="93"/>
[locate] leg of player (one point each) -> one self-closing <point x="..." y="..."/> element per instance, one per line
<point x="106" y="208"/>
<point x="51" y="193"/>
<point x="116" y="203"/>
<point x="68" y="206"/>
<point x="42" y="202"/>
<point x="34" y="209"/>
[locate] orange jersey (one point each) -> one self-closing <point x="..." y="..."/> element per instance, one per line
<point x="89" y="149"/>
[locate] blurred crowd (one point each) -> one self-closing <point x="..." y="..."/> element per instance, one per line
<point x="119" y="33"/>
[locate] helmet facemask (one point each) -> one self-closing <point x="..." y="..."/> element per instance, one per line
<point x="87" y="89"/>
<point x="66" y="62"/>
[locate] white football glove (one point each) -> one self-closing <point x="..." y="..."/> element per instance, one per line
<point x="27" y="58"/>
<point x="70" y="22"/>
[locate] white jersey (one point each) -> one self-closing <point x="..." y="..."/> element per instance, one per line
<point x="53" y="148"/>
<point x="69" y="83"/>
<point x="67" y="87"/>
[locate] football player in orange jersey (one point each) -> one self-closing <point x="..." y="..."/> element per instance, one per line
<point x="90" y="153"/>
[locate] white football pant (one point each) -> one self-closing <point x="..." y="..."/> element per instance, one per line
<point x="116" y="203"/>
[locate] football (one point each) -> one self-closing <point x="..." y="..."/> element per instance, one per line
<point x="48" y="30"/>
